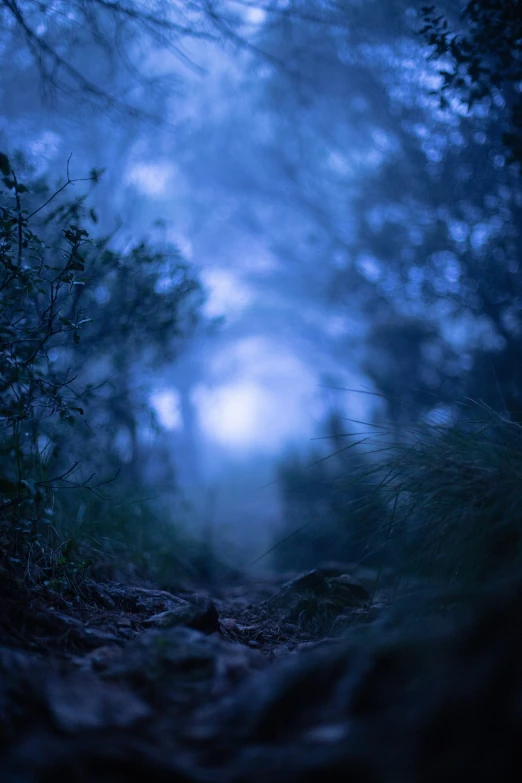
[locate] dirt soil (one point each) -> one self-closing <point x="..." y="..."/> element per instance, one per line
<point x="303" y="679"/>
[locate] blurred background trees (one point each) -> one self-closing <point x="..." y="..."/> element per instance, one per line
<point x="344" y="176"/>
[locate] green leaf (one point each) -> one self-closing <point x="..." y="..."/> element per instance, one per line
<point x="95" y="174"/>
<point x="7" y="487"/>
<point x="5" y="166"/>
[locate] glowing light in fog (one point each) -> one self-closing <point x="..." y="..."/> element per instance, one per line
<point x="264" y="397"/>
<point x="236" y="414"/>
<point x="167" y="407"/>
<point x="151" y="178"/>
<point x="227" y="294"/>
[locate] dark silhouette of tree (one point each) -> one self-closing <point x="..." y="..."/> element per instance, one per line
<point x="81" y="48"/>
<point x="482" y="58"/>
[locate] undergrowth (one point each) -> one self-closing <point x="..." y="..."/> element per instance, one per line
<point x="449" y="497"/>
<point x="455" y="494"/>
<point x="65" y="512"/>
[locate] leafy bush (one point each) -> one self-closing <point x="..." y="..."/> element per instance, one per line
<point x="39" y="312"/>
<point x="72" y="310"/>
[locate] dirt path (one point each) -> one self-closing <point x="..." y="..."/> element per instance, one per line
<point x="260" y="682"/>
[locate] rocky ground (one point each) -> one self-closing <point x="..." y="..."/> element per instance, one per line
<point x="307" y="679"/>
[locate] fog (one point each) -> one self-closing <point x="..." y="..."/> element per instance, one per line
<point x="340" y="219"/>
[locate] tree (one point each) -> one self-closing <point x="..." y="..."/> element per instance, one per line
<point x="145" y="305"/>
<point x="482" y="60"/>
<point x="80" y="49"/>
<point x="431" y="246"/>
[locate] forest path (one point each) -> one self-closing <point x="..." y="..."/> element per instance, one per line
<point x="299" y="681"/>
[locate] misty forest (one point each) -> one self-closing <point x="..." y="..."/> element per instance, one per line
<point x="260" y="391"/>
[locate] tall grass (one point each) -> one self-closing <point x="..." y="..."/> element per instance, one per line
<point x="454" y="494"/>
<point x="449" y="494"/>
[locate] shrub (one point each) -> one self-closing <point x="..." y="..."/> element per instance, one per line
<point x="49" y="293"/>
<point x="39" y="312"/>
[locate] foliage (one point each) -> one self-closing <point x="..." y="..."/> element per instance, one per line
<point x="144" y="305"/>
<point x="86" y="47"/>
<point x="39" y="312"/>
<point x="484" y="59"/>
<point x="39" y="308"/>
<point x="143" y="539"/>
<point x="56" y="335"/>
<point x="331" y="505"/>
<point x="439" y="502"/>
<point x="454" y="490"/>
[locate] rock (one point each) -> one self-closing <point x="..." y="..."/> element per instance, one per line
<point x="311" y="580"/>
<point x="378" y="705"/>
<point x="36" y="692"/>
<point x="350" y="589"/>
<point x="98" y="636"/>
<point x="229" y="623"/>
<point x="180" y="663"/>
<point x="335" y="568"/>
<point x="199" y="613"/>
<point x="131" y="598"/>
<point x="84" y="702"/>
<point x="313" y="601"/>
<point x="127" y="633"/>
<point x="99" y="658"/>
<point x="375" y="612"/>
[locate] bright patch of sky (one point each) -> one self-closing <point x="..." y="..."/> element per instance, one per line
<point x="458" y="230"/>
<point x="467" y="332"/>
<point x="237" y="415"/>
<point x="337" y="325"/>
<point x="339" y="163"/>
<point x="169" y="281"/>
<point x="369" y="266"/>
<point x="371" y="157"/>
<point x="227" y="293"/>
<point x="43" y="149"/>
<point x="151" y="179"/>
<point x="166" y="403"/>
<point x="266" y="397"/>
<point x="102" y="294"/>
<point x="259" y="260"/>
<point x="123" y="445"/>
<point x="447" y="263"/>
<point x="180" y="241"/>
<point x="255" y="15"/>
